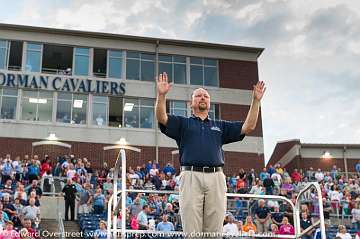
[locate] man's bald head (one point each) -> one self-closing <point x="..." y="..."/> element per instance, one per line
<point x="200" y="100"/>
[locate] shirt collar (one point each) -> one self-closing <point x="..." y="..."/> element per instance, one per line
<point x="198" y="118"/>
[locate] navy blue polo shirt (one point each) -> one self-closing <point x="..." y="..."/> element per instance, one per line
<point x="200" y="141"/>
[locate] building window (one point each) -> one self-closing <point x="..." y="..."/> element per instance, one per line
<point x="3" y="53"/>
<point x="115" y="112"/>
<point x="71" y="108"/>
<point x="139" y="113"/>
<point x="140" y="66"/>
<point x="174" y="66"/>
<point x="33" y="57"/>
<point x="178" y="108"/>
<point x="115" y="64"/>
<point x="131" y="113"/>
<point x="214" y="112"/>
<point x="15" y="55"/>
<point x="37" y="106"/>
<point x="203" y="72"/>
<point x="100" y="108"/>
<point x="146" y="113"/>
<point x="57" y="59"/>
<point x="81" y="63"/>
<point x="100" y="61"/>
<point x="8" y="101"/>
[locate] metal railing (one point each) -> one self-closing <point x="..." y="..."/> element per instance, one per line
<point x="61" y="227"/>
<point x="113" y="205"/>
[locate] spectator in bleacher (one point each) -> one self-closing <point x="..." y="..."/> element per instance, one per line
<point x="263" y="174"/>
<point x="274" y="229"/>
<point x="8" y="207"/>
<point x="35" y="187"/>
<point x="85" y="199"/>
<point x="306" y="222"/>
<point x="31" y="212"/>
<point x="32" y="232"/>
<point x="148" y="166"/>
<point x="355" y="212"/>
<point x="271" y="169"/>
<point x="101" y="233"/>
<point x="99" y="201"/>
<point x="251" y="176"/>
<point x="154" y="170"/>
<point x="286" y="187"/>
<point x="170" y="212"/>
<point x="357" y="235"/>
<point x="257" y="188"/>
<point x="249" y="225"/>
<point x="296" y="176"/>
<point x="277" y="216"/>
<point x="169" y="169"/>
<point x="165" y="225"/>
<point x="269" y="185"/>
<point x="88" y="168"/>
<point x="357" y="167"/>
<point x="335" y="198"/>
<point x="35" y="197"/>
<point x="70" y="171"/>
<point x="18" y="171"/>
<point x="286" y="228"/>
<point x="6" y="169"/>
<point x="319" y="176"/>
<point x="3" y="217"/>
<point x="277" y="178"/>
<point x="18" y="206"/>
<point x="241" y="186"/>
<point x="48" y="181"/>
<point x="45" y="165"/>
<point x="310" y="174"/>
<point x="263" y="217"/>
<point x="33" y="170"/>
<point x="9" y="232"/>
<point x="155" y="179"/>
<point x="334" y="172"/>
<point x="279" y="169"/>
<point x="135" y="207"/>
<point x="342" y="233"/>
<point x="69" y="192"/>
<point x="231" y="228"/>
<point x="8" y="188"/>
<point x="142" y="218"/>
<point x="242" y="174"/>
<point x="108" y="186"/>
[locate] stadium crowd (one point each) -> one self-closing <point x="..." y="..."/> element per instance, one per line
<point x="21" y="191"/>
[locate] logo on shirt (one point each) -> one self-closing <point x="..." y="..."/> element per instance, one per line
<point x="215" y="128"/>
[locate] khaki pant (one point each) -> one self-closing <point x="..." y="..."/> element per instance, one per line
<point x="202" y="202"/>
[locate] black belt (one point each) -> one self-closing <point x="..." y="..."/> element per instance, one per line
<point x="202" y="169"/>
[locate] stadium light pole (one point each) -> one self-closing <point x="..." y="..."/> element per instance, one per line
<point x="121" y="158"/>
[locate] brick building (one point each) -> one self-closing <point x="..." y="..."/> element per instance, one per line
<point x="294" y="154"/>
<point x="91" y="89"/>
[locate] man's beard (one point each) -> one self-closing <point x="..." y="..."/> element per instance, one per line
<point x="202" y="107"/>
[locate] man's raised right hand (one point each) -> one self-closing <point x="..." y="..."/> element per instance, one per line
<point x="163" y="85"/>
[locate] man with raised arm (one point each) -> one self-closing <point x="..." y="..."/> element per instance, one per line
<point x="200" y="140"/>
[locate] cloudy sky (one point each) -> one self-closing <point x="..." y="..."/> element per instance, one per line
<point x="310" y="65"/>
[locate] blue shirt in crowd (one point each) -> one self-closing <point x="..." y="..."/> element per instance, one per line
<point x="165" y="227"/>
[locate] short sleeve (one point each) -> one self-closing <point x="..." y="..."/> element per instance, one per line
<point x="232" y="131"/>
<point x="174" y="127"/>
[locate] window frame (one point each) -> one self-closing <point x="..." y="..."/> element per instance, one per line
<point x="37" y="106"/>
<point x="80" y="54"/>
<point x="27" y="55"/>
<point x="204" y="66"/>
